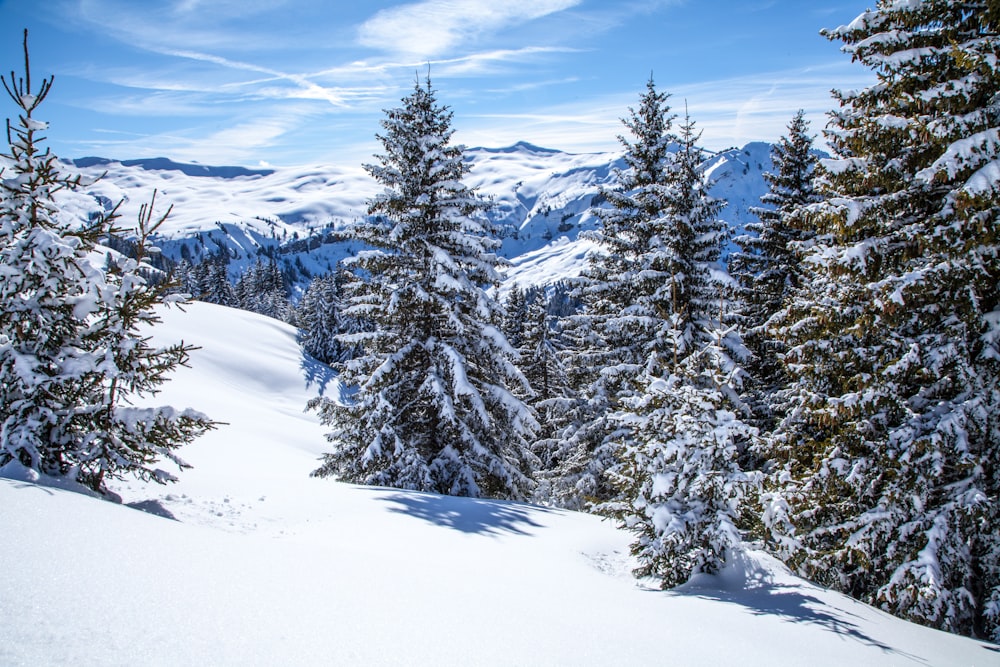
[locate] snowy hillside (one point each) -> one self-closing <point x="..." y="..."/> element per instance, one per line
<point x="542" y="199"/>
<point x="249" y="561"/>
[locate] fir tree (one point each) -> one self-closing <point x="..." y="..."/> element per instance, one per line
<point x="890" y="455"/>
<point x="263" y="289"/>
<point x="768" y="266"/>
<point x="320" y="321"/>
<point x="624" y="297"/>
<point x="435" y="407"/>
<point x="681" y="437"/>
<point x="530" y="328"/>
<point x="685" y="493"/>
<point x="515" y="314"/>
<point x="72" y="359"/>
<point x="210" y="279"/>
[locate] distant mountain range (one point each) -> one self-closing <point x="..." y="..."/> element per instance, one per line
<point x="542" y="200"/>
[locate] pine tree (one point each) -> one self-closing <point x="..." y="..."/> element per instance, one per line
<point x="515" y="313"/>
<point x="625" y="300"/>
<point x="435" y="407"/>
<point x="211" y="281"/>
<point x="685" y="493"/>
<point x="263" y="289"/>
<point x="531" y="330"/>
<point x="768" y="267"/>
<point x="72" y="358"/>
<point x="891" y="452"/>
<point x="121" y="439"/>
<point x="681" y="438"/>
<point x="320" y="321"/>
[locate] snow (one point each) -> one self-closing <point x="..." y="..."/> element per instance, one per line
<point x="266" y="565"/>
<point x="542" y="198"/>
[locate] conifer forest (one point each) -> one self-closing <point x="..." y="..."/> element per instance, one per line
<point x="823" y="384"/>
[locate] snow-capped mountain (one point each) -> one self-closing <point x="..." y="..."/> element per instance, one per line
<point x="542" y="200"/>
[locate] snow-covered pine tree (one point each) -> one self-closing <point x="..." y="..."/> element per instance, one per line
<point x="435" y="407"/>
<point x="540" y="350"/>
<point x="892" y="448"/>
<point x="531" y="331"/>
<point x="515" y="315"/>
<point x="318" y="318"/>
<point x="685" y="494"/>
<point x="767" y="267"/>
<point x="263" y="289"/>
<point x="681" y="437"/>
<point x="120" y="438"/>
<point x="72" y="358"/>
<point x="211" y="281"/>
<point x="624" y="301"/>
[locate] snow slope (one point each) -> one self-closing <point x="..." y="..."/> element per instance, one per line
<point x="263" y="565"/>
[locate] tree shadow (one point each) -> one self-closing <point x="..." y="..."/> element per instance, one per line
<point x="19" y="484"/>
<point x="317" y="373"/>
<point x="467" y="515"/>
<point x="793" y="604"/>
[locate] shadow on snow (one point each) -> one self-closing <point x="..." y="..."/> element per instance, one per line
<point x="317" y="373"/>
<point x="467" y="515"/>
<point x="755" y="590"/>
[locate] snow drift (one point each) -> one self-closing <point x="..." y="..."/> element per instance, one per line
<point x="247" y="560"/>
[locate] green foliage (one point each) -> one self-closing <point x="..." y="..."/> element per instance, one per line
<point x="887" y="464"/>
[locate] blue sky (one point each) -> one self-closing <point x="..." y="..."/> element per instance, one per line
<point x="290" y="82"/>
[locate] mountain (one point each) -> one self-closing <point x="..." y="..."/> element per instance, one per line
<point x="542" y="200"/>
<point x="249" y="561"/>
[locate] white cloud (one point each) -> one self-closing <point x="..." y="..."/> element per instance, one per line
<point x="241" y="143"/>
<point x="431" y="28"/>
<point x="729" y="112"/>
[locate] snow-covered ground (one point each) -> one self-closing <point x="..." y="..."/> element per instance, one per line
<point x="261" y="564"/>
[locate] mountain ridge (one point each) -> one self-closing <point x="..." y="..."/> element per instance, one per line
<point x="542" y="199"/>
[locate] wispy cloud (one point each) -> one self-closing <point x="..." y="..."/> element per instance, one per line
<point x="729" y="112"/>
<point x="433" y="27"/>
<point x="240" y="143"/>
<point x="308" y="88"/>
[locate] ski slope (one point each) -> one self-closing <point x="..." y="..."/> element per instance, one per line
<point x="249" y="561"/>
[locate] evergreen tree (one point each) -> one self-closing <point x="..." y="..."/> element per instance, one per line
<point x="685" y="493"/>
<point x="681" y="437"/>
<point x="768" y="266"/>
<point x="72" y="359"/>
<point x="435" y="407"/>
<point x="625" y="301"/>
<point x="263" y="289"/>
<point x="889" y="459"/>
<point x="515" y="314"/>
<point x="529" y="328"/>
<point x="210" y="279"/>
<point x="319" y="319"/>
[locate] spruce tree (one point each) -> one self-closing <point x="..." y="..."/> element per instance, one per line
<point x="767" y="267"/>
<point x="435" y="407"/>
<point x="540" y="352"/>
<point x="889" y="459"/>
<point x="625" y="300"/>
<point x="263" y="289"/>
<point x="681" y="436"/>
<point x="319" y="319"/>
<point x="73" y="357"/>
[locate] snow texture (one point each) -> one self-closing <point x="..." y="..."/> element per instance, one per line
<point x="249" y="561"/>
